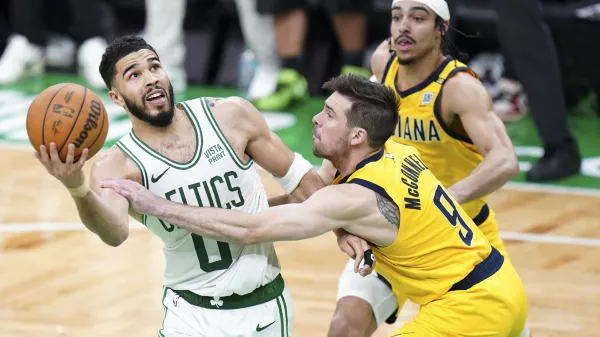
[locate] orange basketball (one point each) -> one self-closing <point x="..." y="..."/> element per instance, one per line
<point x="67" y="113"/>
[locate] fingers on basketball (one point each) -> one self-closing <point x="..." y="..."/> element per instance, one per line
<point x="83" y="158"/>
<point x="70" y="153"/>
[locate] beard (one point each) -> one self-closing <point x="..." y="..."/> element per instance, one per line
<point x="162" y="119"/>
<point x="338" y="150"/>
<point x="407" y="61"/>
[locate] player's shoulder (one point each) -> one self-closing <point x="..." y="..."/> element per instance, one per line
<point x="383" y="50"/>
<point x="232" y="106"/>
<point x="380" y="58"/>
<point x="116" y="164"/>
<point x="345" y="194"/>
<point x="237" y="113"/>
<point x="463" y="86"/>
<point x="464" y="76"/>
<point x="112" y="156"/>
<point x="213" y="102"/>
<point x="227" y="101"/>
<point x="397" y="148"/>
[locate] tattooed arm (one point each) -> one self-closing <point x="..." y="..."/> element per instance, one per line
<point x="352" y="207"/>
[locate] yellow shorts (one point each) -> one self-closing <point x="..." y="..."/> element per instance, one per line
<point x="490" y="229"/>
<point x="494" y="307"/>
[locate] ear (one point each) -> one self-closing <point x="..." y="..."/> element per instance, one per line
<point x="116" y="97"/>
<point x="444" y="28"/>
<point x="358" y="136"/>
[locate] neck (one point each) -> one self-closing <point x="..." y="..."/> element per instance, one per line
<point x="146" y="131"/>
<point x="347" y="164"/>
<point x="412" y="74"/>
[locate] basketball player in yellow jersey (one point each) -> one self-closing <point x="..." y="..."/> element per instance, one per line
<point x="425" y="244"/>
<point x="446" y="114"/>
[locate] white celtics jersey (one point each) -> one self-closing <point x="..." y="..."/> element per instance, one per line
<point x="214" y="177"/>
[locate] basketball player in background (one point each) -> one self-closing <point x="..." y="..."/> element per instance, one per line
<point x="200" y="152"/>
<point x="446" y="114"/>
<point x="425" y="244"/>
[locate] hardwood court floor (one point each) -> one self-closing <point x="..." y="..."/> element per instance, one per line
<point x="57" y="281"/>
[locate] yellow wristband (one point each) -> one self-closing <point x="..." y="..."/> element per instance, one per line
<point x="80" y="191"/>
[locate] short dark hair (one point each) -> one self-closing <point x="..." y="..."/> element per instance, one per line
<point x="119" y="48"/>
<point x="374" y="106"/>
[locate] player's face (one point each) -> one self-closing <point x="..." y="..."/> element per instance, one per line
<point x="414" y="32"/>
<point x="145" y="88"/>
<point x="331" y="136"/>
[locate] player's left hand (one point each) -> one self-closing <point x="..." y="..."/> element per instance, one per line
<point x="140" y="198"/>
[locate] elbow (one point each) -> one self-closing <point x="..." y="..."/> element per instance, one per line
<point x="116" y="237"/>
<point x="252" y="236"/>
<point x="512" y="168"/>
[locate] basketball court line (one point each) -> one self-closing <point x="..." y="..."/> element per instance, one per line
<point x="77" y="226"/>
<point x="555" y="189"/>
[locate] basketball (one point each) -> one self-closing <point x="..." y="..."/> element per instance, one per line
<point x="67" y="113"/>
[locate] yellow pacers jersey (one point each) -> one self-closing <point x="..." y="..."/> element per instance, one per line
<point x="450" y="156"/>
<point x="437" y="244"/>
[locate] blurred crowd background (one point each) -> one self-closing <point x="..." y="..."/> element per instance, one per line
<point x="535" y="57"/>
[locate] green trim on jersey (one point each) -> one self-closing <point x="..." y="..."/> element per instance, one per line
<point x="221" y="135"/>
<point x="181" y="166"/>
<point x="165" y="315"/>
<point x="137" y="162"/>
<point x="140" y="166"/>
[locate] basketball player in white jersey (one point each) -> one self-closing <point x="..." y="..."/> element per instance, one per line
<point x="199" y="152"/>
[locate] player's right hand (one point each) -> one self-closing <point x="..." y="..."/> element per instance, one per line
<point x="70" y="173"/>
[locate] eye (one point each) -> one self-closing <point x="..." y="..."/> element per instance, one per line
<point x="155" y="67"/>
<point x="419" y="19"/>
<point x="396" y="18"/>
<point x="133" y="75"/>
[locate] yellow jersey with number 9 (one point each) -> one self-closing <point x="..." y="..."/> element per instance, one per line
<point x="437" y="245"/>
<point x="450" y="155"/>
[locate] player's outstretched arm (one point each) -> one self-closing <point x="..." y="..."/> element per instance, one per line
<point x="340" y="206"/>
<point x="103" y="212"/>
<point x="467" y="98"/>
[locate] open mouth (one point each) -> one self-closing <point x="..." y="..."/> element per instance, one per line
<point x="156" y="97"/>
<point x="404" y="43"/>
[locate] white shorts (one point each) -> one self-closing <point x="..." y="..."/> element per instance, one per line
<point x="371" y="288"/>
<point x="274" y="318"/>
